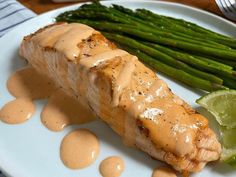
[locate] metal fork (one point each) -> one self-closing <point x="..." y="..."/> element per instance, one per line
<point x="228" y="8"/>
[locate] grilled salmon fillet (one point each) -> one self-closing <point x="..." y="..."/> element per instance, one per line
<point x="124" y="93"/>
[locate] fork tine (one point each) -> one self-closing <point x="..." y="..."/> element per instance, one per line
<point x="233" y="4"/>
<point x="228" y="8"/>
<point x="227" y="5"/>
<point x="222" y="5"/>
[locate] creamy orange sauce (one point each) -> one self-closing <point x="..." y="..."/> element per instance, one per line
<point x="159" y="110"/>
<point x="67" y="43"/>
<point x="28" y="83"/>
<point x="17" y="111"/>
<point x="64" y="38"/>
<point x="97" y="59"/>
<point x="79" y="149"/>
<point x="155" y="89"/>
<point x="62" y="110"/>
<point x="163" y="172"/>
<point x="139" y="109"/>
<point x="172" y="121"/>
<point x="123" y="79"/>
<point x="112" y="167"/>
<point x="52" y="34"/>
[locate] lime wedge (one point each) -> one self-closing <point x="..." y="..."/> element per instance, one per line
<point x="229" y="138"/>
<point x="222" y="104"/>
<point x="229" y="156"/>
<point x="229" y="146"/>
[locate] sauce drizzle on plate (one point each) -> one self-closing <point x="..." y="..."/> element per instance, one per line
<point x="62" y="110"/>
<point x="17" y="111"/>
<point x="79" y="149"/>
<point x="28" y="83"/>
<point x="112" y="167"/>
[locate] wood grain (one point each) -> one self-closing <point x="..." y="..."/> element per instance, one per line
<point x="40" y="6"/>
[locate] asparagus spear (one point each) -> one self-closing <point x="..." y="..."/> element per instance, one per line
<point x="127" y="28"/>
<point x="184" y="23"/>
<point x="195" y="62"/>
<point x="231" y="63"/>
<point x="117" y="13"/>
<point x="162" y="57"/>
<point x="224" y="64"/>
<point x="161" y="18"/>
<point x="177" y="29"/>
<point x="177" y="74"/>
<point x="116" y="16"/>
<point x="214" y="62"/>
<point x="171" y="61"/>
<point x="124" y="20"/>
<point x="131" y="17"/>
<point x="227" y="54"/>
<point x="230" y="83"/>
<point x="191" y="60"/>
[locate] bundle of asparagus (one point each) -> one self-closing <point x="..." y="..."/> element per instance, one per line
<point x="182" y="50"/>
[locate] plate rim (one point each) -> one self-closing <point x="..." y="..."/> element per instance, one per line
<point x="4" y="168"/>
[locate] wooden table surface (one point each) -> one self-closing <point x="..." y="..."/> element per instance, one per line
<point x="40" y="6"/>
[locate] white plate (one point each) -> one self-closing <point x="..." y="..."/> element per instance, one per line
<point x="30" y="150"/>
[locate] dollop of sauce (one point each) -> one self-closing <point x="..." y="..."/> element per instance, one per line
<point x="17" y="111"/>
<point x="62" y="110"/>
<point x="28" y="83"/>
<point x="112" y="167"/>
<point x="163" y="172"/>
<point x="79" y="149"/>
